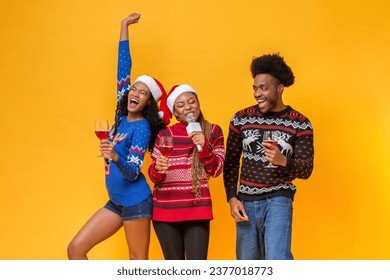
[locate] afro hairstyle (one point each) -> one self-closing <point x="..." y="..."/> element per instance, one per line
<point x="274" y="65"/>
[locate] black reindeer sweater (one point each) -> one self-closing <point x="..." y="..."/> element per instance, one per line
<point x="253" y="181"/>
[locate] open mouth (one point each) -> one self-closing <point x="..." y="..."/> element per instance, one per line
<point x="261" y="101"/>
<point x="133" y="104"/>
<point x="133" y="101"/>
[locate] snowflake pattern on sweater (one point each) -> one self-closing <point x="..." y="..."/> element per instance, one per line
<point x="126" y="184"/>
<point x="124" y="68"/>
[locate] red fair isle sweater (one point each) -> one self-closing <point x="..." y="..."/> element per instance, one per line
<point x="173" y="200"/>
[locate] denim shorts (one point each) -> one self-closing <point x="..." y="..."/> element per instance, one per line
<point x="140" y="210"/>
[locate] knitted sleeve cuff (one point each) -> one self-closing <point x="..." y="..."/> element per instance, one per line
<point x="290" y="163"/>
<point x="230" y="192"/>
<point x="206" y="150"/>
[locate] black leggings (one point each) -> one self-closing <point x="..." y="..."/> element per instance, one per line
<point x="183" y="240"/>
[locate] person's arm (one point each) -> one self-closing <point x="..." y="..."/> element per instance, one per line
<point x="159" y="164"/>
<point x="132" y="18"/>
<point x="301" y="166"/>
<point x="124" y="57"/>
<point x="231" y="167"/>
<point x="231" y="174"/>
<point x="130" y="167"/>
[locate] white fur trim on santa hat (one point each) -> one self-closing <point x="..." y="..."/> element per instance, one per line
<point x="152" y="85"/>
<point x="175" y="94"/>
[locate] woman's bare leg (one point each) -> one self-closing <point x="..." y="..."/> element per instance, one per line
<point x="103" y="224"/>
<point x="138" y="237"/>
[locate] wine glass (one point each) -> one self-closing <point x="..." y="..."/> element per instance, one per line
<point x="102" y="130"/>
<point x="270" y="137"/>
<point x="165" y="145"/>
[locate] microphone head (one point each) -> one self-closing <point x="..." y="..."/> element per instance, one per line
<point x="190" y="118"/>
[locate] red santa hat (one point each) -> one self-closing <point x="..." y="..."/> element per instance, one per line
<point x="158" y="92"/>
<point x="175" y="92"/>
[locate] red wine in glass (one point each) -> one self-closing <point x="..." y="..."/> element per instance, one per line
<point x="165" y="146"/>
<point x="273" y="142"/>
<point x="102" y="134"/>
<point x="166" y="150"/>
<point x="270" y="137"/>
<point x="102" y="130"/>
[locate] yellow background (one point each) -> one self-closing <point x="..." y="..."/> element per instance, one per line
<point x="58" y="74"/>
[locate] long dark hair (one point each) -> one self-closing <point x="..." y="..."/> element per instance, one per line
<point x="150" y="113"/>
<point x="197" y="166"/>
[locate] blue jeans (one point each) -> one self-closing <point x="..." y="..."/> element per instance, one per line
<point x="267" y="235"/>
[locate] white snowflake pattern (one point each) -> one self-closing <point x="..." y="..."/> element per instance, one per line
<point x="135" y="160"/>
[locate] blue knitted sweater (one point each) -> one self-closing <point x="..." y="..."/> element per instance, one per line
<point x="126" y="184"/>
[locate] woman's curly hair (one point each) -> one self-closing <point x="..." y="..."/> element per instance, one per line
<point x="150" y="113"/>
<point x="274" y="65"/>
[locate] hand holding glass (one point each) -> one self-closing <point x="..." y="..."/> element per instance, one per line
<point x="102" y="130"/>
<point x="165" y="145"/>
<point x="270" y="137"/>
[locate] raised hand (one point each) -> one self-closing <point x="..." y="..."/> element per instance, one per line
<point x="131" y="19"/>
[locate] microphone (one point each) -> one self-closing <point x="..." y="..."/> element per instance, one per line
<point x="193" y="126"/>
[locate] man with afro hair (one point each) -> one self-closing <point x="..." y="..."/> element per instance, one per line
<point x="261" y="192"/>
